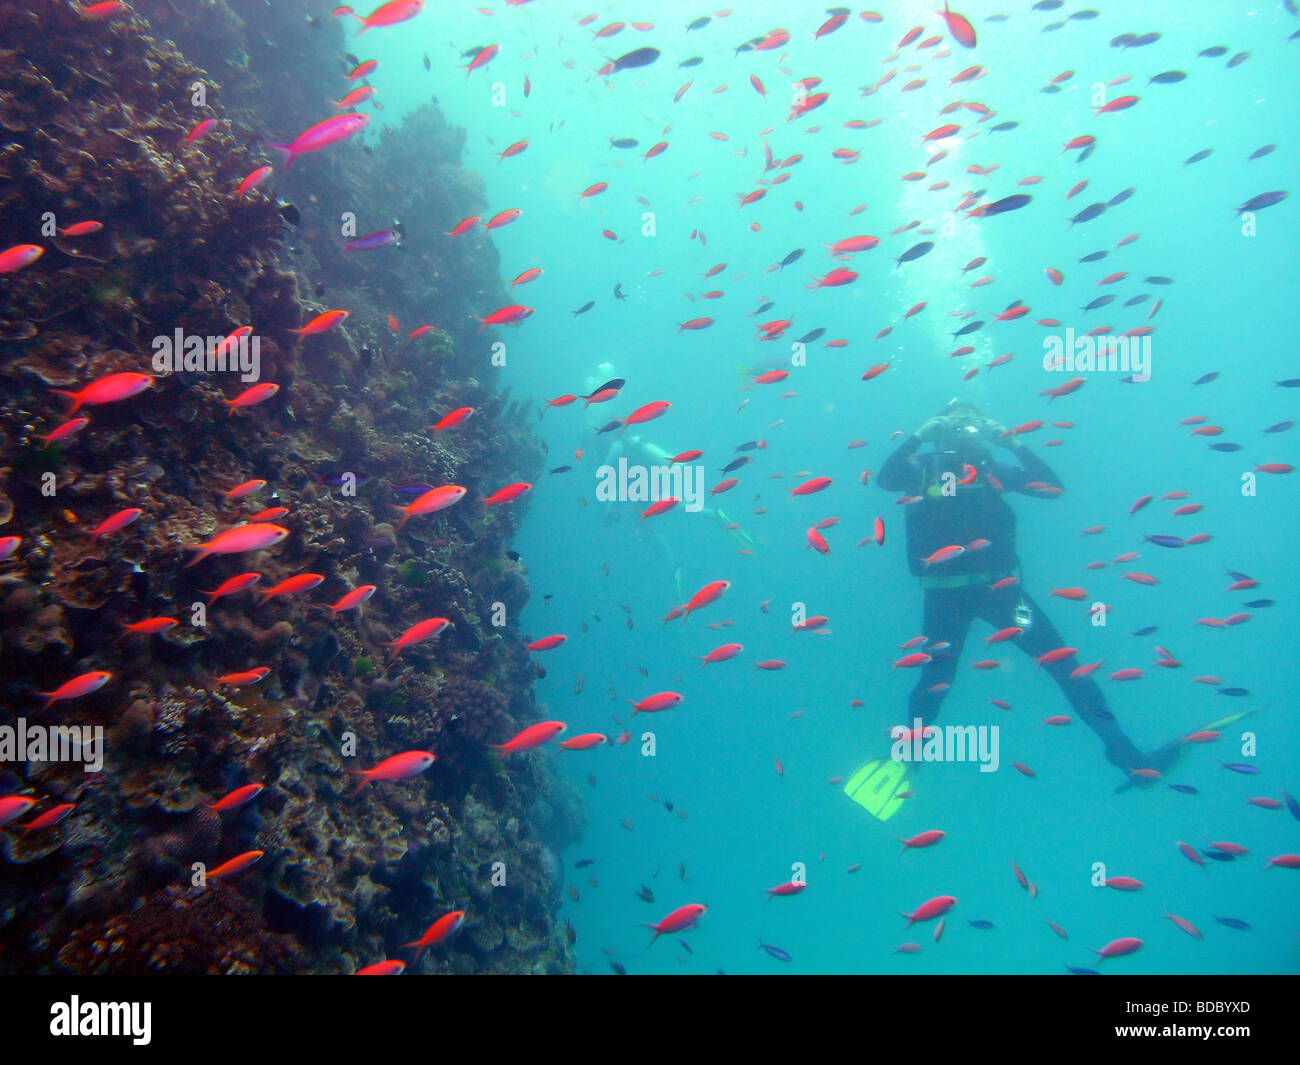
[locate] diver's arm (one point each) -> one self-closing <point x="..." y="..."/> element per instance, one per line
<point x="898" y="474"/>
<point x="1032" y="467"/>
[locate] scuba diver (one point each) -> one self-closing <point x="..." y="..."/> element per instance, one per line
<point x="962" y="522"/>
<point x="614" y="442"/>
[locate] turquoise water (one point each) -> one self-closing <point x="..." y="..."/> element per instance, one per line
<point x="1228" y="310"/>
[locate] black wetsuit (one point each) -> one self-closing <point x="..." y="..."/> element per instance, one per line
<point x="959" y="590"/>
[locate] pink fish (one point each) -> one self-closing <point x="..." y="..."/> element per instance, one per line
<point x="547" y="643"/>
<point x="116" y="522"/>
<point x="389" y="14"/>
<point x="724" y="653"/>
<point x="1117" y="948"/>
<point x="354" y="598"/>
<point x="322" y="135"/>
<point x="961" y="29"/>
<point x="923" y="839"/>
<point x="398" y="767"/>
<point x="14" y="806"/>
<point x="679" y="920"/>
<point x="256" y="536"/>
<point x="18" y="256"/>
<point x="110" y="389"/>
<point x="927" y="911"/>
<point x="652" y="704"/>
<point x="432" y="501"/>
<point x="508" y="494"/>
<point x="418" y="633"/>
<point x="76" y="687"/>
<point x="482" y="59"/>
<point x="532" y="736"/>
<point x="710" y="593"/>
<point x="49" y="818"/>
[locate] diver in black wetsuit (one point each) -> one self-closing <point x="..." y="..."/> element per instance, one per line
<point x="961" y="487"/>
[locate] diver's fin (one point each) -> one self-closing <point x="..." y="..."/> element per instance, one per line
<point x="878" y="786"/>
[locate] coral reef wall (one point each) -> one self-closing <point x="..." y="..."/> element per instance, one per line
<point x="94" y="119"/>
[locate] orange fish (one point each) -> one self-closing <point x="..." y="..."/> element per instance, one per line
<point x="322" y="322"/>
<point x="236" y="864"/>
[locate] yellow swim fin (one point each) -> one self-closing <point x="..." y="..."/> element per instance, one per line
<point x="876" y="787"/>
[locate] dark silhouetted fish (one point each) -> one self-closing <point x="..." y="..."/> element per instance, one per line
<point x="615" y="383"/>
<point x="584" y="308"/>
<point x="1093" y="257"/>
<point x="735" y="464"/>
<point x="1100" y="301"/>
<point x="1291" y="805"/>
<point x="811" y="335"/>
<point x="694" y="61"/>
<point x="1142" y="298"/>
<point x="1159" y="279"/>
<point x="642" y="57"/>
<point x="699" y="23"/>
<point x="792" y="258"/>
<point x="622" y="142"/>
<point x="1093" y="210"/>
<point x="970" y="327"/>
<point x="1214" y="52"/>
<point x="1008" y="203"/>
<point x="1047" y="5"/>
<point x="1238" y="59"/>
<point x="1168" y="77"/>
<point x="776" y="952"/>
<point x="1120" y="197"/>
<point x="1259" y="153"/>
<point x="1204" y="153"/>
<point x="915" y="252"/>
<point x="1204" y="379"/>
<point x="1004" y="127"/>
<point x="1086" y="15"/>
<point x="1233" y="922"/>
<point x="1225" y="447"/>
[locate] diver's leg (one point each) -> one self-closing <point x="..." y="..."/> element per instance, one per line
<point x="948" y="614"/>
<point x="1082" y="693"/>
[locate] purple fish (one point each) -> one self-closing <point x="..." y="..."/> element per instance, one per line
<point x="1244" y="768"/>
<point x="322" y="135"/>
<point x="1161" y="540"/>
<point x="382" y="239"/>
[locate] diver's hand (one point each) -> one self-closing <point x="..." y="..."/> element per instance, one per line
<point x="932" y="429"/>
<point x="996" y="433"/>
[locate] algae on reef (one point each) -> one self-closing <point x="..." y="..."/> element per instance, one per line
<point x="93" y="120"/>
